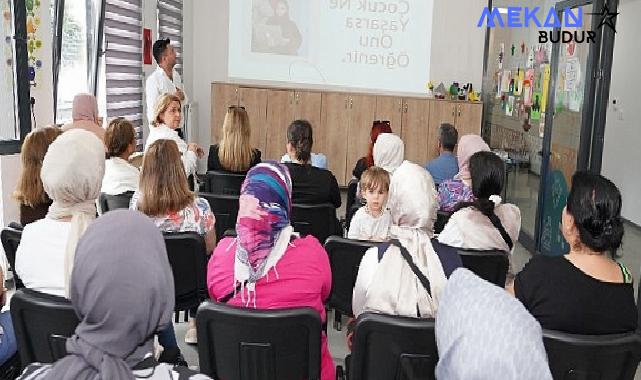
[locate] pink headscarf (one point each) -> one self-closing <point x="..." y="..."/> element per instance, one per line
<point x="85" y="107"/>
<point x="467" y="146"/>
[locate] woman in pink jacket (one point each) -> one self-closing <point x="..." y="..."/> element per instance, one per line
<point x="277" y="269"/>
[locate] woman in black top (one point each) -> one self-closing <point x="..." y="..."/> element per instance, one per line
<point x="366" y="162"/>
<point x="234" y="153"/>
<point x="584" y="291"/>
<point x="310" y="185"/>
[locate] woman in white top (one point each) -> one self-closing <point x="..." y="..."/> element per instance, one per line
<point x="485" y="223"/>
<point x="386" y="283"/>
<point x="120" y="176"/>
<point x="72" y="172"/>
<point x="166" y="120"/>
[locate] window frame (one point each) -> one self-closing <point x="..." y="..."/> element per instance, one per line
<point x="23" y="95"/>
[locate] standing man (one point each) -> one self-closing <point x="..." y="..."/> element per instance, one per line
<point x="445" y="166"/>
<point x="164" y="80"/>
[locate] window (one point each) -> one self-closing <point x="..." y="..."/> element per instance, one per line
<point x="14" y="81"/>
<point x="76" y="25"/>
<point x="170" y="25"/>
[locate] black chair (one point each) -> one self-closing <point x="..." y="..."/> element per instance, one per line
<point x="224" y="182"/>
<point x="490" y="265"/>
<point x="592" y="357"/>
<point x="225" y="208"/>
<point x="250" y="344"/>
<point x="392" y="348"/>
<point x="188" y="259"/>
<point x="113" y="202"/>
<point x="351" y="204"/>
<point x="10" y="240"/>
<point x="318" y="220"/>
<point x="42" y="323"/>
<point x="442" y="218"/>
<point x="344" y="258"/>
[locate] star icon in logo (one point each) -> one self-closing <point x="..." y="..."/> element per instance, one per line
<point x="607" y="17"/>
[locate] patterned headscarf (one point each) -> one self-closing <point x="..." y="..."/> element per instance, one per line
<point x="262" y="226"/>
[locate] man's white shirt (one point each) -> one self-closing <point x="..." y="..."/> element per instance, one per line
<point x="158" y="83"/>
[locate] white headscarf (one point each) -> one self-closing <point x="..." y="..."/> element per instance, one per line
<point x="71" y="174"/>
<point x="395" y="289"/>
<point x="388" y="152"/>
<point x="484" y="333"/>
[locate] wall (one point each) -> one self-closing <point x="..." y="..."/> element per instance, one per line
<point x="9" y="171"/>
<point x="43" y="92"/>
<point x="622" y="133"/>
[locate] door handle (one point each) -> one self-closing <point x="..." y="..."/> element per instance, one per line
<point x="351" y="102"/>
<point x="459" y="111"/>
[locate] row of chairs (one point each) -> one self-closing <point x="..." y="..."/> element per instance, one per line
<point x="248" y="344"/>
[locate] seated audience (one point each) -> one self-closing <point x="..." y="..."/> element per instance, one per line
<point x="120" y="176"/>
<point x="484" y="223"/>
<point x="167" y="118"/>
<point x="310" y="184"/>
<point x="459" y="189"/>
<point x="234" y="154"/>
<point x="268" y="266"/>
<point x="31" y="196"/>
<point x="386" y="283"/>
<point x="71" y="174"/>
<point x="388" y="152"/>
<point x="367" y="162"/>
<point x="85" y="115"/>
<point x="444" y="166"/>
<point x="372" y="221"/>
<point x="165" y="197"/>
<point x="122" y="291"/>
<point x="318" y="160"/>
<point x="483" y="333"/>
<point x="585" y="291"/>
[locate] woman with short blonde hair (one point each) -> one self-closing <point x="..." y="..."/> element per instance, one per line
<point x="234" y="152"/>
<point x="167" y="118"/>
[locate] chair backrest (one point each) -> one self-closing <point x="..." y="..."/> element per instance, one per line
<point x="318" y="220"/>
<point x="250" y="344"/>
<point x="225" y="208"/>
<point x="490" y="265"/>
<point x="110" y="202"/>
<point x="390" y="347"/>
<point x="188" y="259"/>
<point x="10" y="240"/>
<point x="592" y="357"/>
<point x="352" y="188"/>
<point x="344" y="258"/>
<point x="42" y="323"/>
<point x="224" y="183"/>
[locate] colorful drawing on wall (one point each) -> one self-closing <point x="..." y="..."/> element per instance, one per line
<point x="501" y="55"/>
<point x="34" y="43"/>
<point x="575" y="100"/>
<point x="542" y="125"/>
<point x="528" y="87"/>
<point x="535" y="110"/>
<point x="506" y="79"/>
<point x="518" y="82"/>
<point x="509" y="107"/>
<point x="546" y="86"/>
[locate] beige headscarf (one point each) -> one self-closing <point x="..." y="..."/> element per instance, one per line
<point x="72" y="172"/>
<point x="467" y="146"/>
<point x="395" y="289"/>
<point x="85" y="115"/>
<point x="388" y="152"/>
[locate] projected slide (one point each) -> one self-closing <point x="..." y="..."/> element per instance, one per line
<point x="357" y="44"/>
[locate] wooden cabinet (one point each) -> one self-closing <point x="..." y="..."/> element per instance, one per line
<point x="307" y="106"/>
<point x="390" y="108"/>
<point x="223" y="96"/>
<point x="335" y="123"/>
<point x="280" y="112"/>
<point x="255" y="102"/>
<point x="362" y="109"/>
<point x="469" y="118"/>
<point x="415" y="129"/>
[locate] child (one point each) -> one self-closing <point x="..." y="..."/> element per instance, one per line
<point x="372" y="221"/>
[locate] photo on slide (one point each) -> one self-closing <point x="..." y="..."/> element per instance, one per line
<point x="279" y="27"/>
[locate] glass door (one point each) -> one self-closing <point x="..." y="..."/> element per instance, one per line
<point x="569" y="124"/>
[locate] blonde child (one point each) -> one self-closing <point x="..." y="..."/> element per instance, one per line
<point x="372" y="221"/>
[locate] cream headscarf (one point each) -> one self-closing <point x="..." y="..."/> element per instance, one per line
<point x="388" y="152"/>
<point x="72" y="172"/>
<point x="467" y="146"/>
<point x="395" y="289"/>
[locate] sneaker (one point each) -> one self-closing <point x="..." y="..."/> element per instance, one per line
<point x="191" y="337"/>
<point x="172" y="356"/>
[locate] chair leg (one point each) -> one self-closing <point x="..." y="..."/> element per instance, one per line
<point x="186" y="316"/>
<point x="176" y="316"/>
<point x="337" y="320"/>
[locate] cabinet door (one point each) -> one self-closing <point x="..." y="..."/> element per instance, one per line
<point x="308" y="107"/>
<point x="441" y="111"/>
<point x="390" y="108"/>
<point x="415" y="132"/>
<point x="335" y="124"/>
<point x="362" y="109"/>
<point x="469" y="118"/>
<point x="255" y="102"/>
<point x="223" y="96"/>
<point x="280" y="112"/>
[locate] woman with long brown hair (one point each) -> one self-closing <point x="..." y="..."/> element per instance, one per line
<point x="367" y="162"/>
<point x="164" y="196"/>
<point x="234" y="152"/>
<point x="30" y="194"/>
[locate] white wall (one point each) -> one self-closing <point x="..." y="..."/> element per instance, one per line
<point x="43" y="92"/>
<point x="9" y="171"/>
<point x="621" y="153"/>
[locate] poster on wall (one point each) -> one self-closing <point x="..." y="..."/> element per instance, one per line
<point x="518" y="82"/>
<point x="546" y="85"/>
<point x="509" y="107"/>
<point x="572" y="74"/>
<point x="506" y="78"/>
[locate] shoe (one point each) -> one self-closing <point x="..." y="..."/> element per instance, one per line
<point x="191" y="337"/>
<point x="172" y="356"/>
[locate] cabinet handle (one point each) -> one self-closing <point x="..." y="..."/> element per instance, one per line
<point x="453" y="112"/>
<point x="459" y="111"/>
<point x="406" y="107"/>
<point x="351" y="102"/>
<point x="345" y="103"/>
